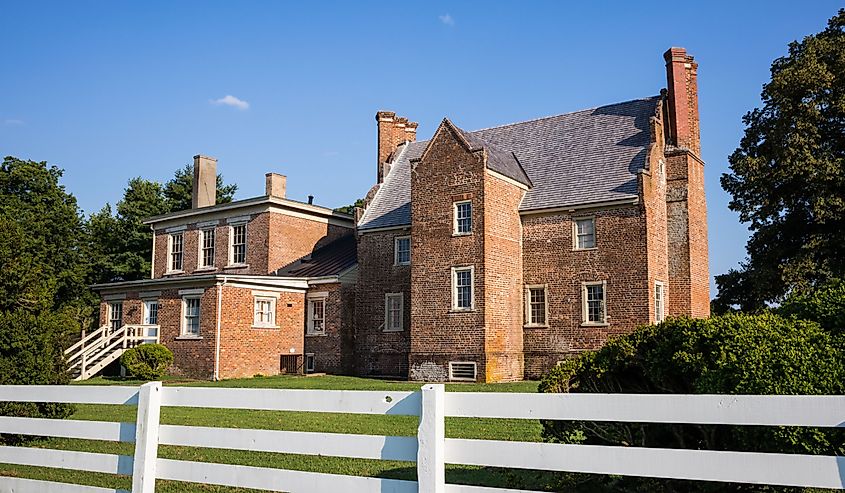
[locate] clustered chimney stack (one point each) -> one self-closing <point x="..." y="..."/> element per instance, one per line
<point x="392" y="131"/>
<point x="275" y="185"/>
<point x="682" y="83"/>
<point x="204" y="193"/>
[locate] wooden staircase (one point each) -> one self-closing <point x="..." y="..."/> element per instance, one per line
<point x="96" y="350"/>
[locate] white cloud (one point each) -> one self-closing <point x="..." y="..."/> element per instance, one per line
<point x="447" y="19"/>
<point x="229" y="100"/>
<point x="12" y="122"/>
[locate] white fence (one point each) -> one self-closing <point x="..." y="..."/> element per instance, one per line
<point x="430" y="449"/>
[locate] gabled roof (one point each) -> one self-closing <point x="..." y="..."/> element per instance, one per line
<point x="329" y="260"/>
<point x="588" y="156"/>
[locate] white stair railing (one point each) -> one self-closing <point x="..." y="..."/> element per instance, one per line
<point x="98" y="349"/>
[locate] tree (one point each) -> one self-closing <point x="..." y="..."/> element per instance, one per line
<point x="350" y="209"/>
<point x="787" y="177"/>
<point x="178" y="190"/>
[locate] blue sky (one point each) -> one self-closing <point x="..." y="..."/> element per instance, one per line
<point x="113" y="90"/>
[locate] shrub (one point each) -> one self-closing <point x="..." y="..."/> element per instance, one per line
<point x="825" y="305"/>
<point x="147" y="361"/>
<point x="731" y="354"/>
<point x="31" y="354"/>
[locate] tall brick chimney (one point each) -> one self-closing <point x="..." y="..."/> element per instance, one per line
<point x="682" y="84"/>
<point x="392" y="131"/>
<point x="275" y="185"/>
<point x="204" y="193"/>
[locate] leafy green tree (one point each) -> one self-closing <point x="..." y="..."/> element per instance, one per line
<point x="350" y="209"/>
<point x="787" y="177"/>
<point x="178" y="190"/>
<point x="728" y="354"/>
<point x="824" y="305"/>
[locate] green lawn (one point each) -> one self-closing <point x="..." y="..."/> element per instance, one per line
<point x="498" y="429"/>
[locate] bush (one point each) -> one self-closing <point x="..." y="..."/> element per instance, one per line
<point x="825" y="305"/>
<point x="731" y="354"/>
<point x="147" y="361"/>
<point x="31" y="354"/>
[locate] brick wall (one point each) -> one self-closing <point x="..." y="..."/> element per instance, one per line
<point x="446" y="174"/>
<point x="245" y="350"/>
<point x="273" y="241"/>
<point x="378" y="352"/>
<point x="652" y="190"/>
<point x="333" y="350"/>
<point x="619" y="258"/>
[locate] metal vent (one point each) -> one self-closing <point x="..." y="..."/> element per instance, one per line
<point x="462" y="370"/>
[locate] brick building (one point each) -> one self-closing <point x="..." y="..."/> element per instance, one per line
<point x="487" y="255"/>
<point x="492" y="255"/>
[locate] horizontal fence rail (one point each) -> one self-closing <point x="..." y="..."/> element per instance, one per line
<point x="430" y="449"/>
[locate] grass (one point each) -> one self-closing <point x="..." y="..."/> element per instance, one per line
<point x="495" y="429"/>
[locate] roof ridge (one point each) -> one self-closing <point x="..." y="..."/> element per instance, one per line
<point x="561" y="114"/>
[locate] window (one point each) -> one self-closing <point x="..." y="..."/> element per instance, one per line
<point x="463" y="371"/>
<point x="593" y="300"/>
<point x="265" y="311"/>
<point x="191" y="316"/>
<point x="536" y="307"/>
<point x="176" y="252"/>
<point x="151" y="312"/>
<point x="310" y="362"/>
<point x="238" y="254"/>
<point x="462" y="288"/>
<point x="402" y="250"/>
<point x="316" y="316"/>
<point x="585" y="233"/>
<point x="393" y="312"/>
<point x="659" y="302"/>
<point x="463" y="218"/>
<point x="115" y="315"/>
<point x="207" y="248"/>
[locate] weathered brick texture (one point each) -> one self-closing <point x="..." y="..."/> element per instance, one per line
<point x="333" y="350"/>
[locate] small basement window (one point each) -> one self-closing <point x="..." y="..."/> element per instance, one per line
<point x="310" y="362"/>
<point x="463" y="371"/>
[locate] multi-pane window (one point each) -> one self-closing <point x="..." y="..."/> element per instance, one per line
<point x="535" y="306"/>
<point x="402" y="250"/>
<point x="585" y="233"/>
<point x="462" y="283"/>
<point x="239" y="244"/>
<point x="393" y="311"/>
<point x="207" y="248"/>
<point x="463" y="217"/>
<point x="316" y="316"/>
<point x="151" y="313"/>
<point x="176" y="251"/>
<point x="594" y="303"/>
<point x="115" y="315"/>
<point x="265" y="311"/>
<point x="659" y="302"/>
<point x="191" y="316"/>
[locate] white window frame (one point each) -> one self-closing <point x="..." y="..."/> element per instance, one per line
<point x="264" y="324"/>
<point x="148" y="311"/>
<point x="171" y="253"/>
<point x="309" y="326"/>
<point x="111" y="312"/>
<point x="387" y="298"/>
<point x="660" y="315"/>
<point x="585" y="315"/>
<point x="232" y="227"/>
<point x="455" y="270"/>
<point x="183" y="323"/>
<point x="529" y="322"/>
<point x="576" y="245"/>
<point x="455" y="230"/>
<point x="396" y="250"/>
<point x="201" y="248"/>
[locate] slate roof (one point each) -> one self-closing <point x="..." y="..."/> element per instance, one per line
<point x="572" y="159"/>
<point x="328" y="260"/>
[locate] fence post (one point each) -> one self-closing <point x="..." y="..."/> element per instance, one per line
<point x="146" y="438"/>
<point x="431" y="439"/>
